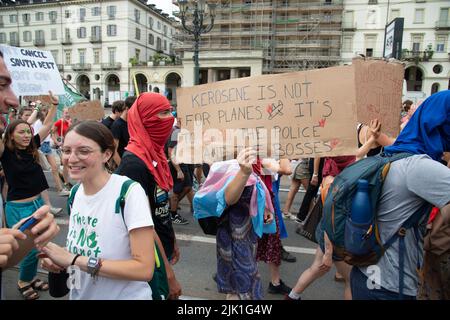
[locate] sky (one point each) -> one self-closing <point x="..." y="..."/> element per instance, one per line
<point x="165" y="5"/>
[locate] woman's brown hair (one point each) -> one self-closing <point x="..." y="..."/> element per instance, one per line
<point x="98" y="133"/>
<point x="11" y="145"/>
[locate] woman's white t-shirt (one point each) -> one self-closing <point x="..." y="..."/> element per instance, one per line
<point x="95" y="230"/>
<point x="37" y="126"/>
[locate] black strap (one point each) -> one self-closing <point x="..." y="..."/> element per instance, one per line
<point x="0" y="284"/>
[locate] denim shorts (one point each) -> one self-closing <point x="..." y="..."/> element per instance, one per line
<point x="45" y="148"/>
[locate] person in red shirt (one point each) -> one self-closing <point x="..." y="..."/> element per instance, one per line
<point x="59" y="130"/>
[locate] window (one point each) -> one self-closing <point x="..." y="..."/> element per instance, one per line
<point x="416" y="40"/>
<point x="96" y="11"/>
<point x="111" y="30"/>
<point x="112" y="55"/>
<point x="67" y="14"/>
<point x="434" y="88"/>
<point x="67" y="33"/>
<point x="158" y="43"/>
<point x="137" y="54"/>
<point x="138" y="34"/>
<point x="27" y="36"/>
<point x="370" y="44"/>
<point x="165" y="45"/>
<point x="96" y="32"/>
<point x="55" y="55"/>
<point x="81" y="33"/>
<point x="372" y="16"/>
<point x="53" y="35"/>
<point x="111" y="10"/>
<point x="13" y="18"/>
<point x="96" y="56"/>
<point x="158" y="25"/>
<point x="1" y="21"/>
<point x="82" y="14"/>
<point x="82" y="55"/>
<point x="137" y="15"/>
<point x="165" y="30"/>
<point x="2" y="37"/>
<point x="419" y="15"/>
<point x="26" y="18"/>
<point x="347" y="44"/>
<point x="441" y="42"/>
<point x="52" y="15"/>
<point x="68" y="55"/>
<point x="395" y="13"/>
<point x="444" y="17"/>
<point x="14" y="37"/>
<point x="151" y="39"/>
<point x="39" y="35"/>
<point x="348" y="19"/>
<point x="150" y="23"/>
<point x="39" y="16"/>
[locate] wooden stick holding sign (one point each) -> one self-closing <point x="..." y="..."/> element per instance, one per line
<point x="87" y="110"/>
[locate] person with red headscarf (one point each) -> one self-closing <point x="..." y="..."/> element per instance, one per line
<point x="150" y="123"/>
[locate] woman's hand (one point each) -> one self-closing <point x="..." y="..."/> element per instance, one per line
<point x="268" y="217"/>
<point x="245" y="159"/>
<point x="49" y="265"/>
<point x="180" y="175"/>
<point x="375" y="128"/>
<point x="53" y="99"/>
<point x="58" y="255"/>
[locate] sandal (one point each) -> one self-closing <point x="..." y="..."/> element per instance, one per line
<point x="28" y="292"/>
<point x="38" y="284"/>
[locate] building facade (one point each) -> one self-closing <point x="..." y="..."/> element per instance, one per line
<point x="94" y="43"/>
<point x="290" y="34"/>
<point x="426" y="35"/>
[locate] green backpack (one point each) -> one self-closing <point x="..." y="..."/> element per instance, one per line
<point x="159" y="284"/>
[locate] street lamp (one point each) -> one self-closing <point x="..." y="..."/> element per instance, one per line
<point x="199" y="14"/>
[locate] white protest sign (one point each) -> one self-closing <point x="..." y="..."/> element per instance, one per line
<point x="34" y="72"/>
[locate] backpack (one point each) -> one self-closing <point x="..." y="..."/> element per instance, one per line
<point x="159" y="284"/>
<point x="336" y="220"/>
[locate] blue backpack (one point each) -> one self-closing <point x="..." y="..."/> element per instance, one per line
<point x="347" y="236"/>
<point x="159" y="284"/>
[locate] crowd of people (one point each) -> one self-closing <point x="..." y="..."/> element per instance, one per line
<point x="129" y="184"/>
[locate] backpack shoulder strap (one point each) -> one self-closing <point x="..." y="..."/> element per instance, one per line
<point x="73" y="191"/>
<point x="120" y="202"/>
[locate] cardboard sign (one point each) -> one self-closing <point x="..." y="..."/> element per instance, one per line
<point x="86" y="110"/>
<point x="34" y="72"/>
<point x="44" y="99"/>
<point x="292" y="115"/>
<point x="379" y="93"/>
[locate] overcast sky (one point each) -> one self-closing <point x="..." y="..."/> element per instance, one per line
<point x="165" y="5"/>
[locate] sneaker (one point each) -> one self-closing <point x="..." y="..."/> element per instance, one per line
<point x="177" y="219"/>
<point x="286" y="297"/>
<point x="64" y="193"/>
<point x="282" y="288"/>
<point x="288" y="216"/>
<point x="286" y="256"/>
<point x="55" y="211"/>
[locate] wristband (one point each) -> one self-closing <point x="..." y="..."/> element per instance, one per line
<point x="75" y="259"/>
<point x="315" y="175"/>
<point x="37" y="109"/>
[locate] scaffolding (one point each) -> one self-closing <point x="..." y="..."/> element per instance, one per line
<point x="293" y="34"/>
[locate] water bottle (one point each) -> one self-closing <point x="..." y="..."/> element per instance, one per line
<point x="359" y="236"/>
<point x="361" y="206"/>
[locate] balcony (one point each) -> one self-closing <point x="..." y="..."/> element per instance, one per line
<point x="112" y="66"/>
<point x="416" y="56"/>
<point x="95" y="39"/>
<point x="39" y="42"/>
<point x="442" y="25"/>
<point x="66" y="41"/>
<point x="81" y="67"/>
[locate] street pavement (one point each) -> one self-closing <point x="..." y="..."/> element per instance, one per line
<point x="197" y="264"/>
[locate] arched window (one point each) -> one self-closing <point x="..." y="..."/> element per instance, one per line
<point x="434" y="87"/>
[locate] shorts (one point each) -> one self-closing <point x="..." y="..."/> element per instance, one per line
<point x="179" y="185"/>
<point x="45" y="148"/>
<point x="302" y="170"/>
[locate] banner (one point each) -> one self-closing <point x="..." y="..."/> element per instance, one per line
<point x="33" y="72"/>
<point x="293" y="115"/>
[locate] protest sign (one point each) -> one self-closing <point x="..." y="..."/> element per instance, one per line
<point x="379" y="93"/>
<point x="34" y="72"/>
<point x="293" y="115"/>
<point x="87" y="110"/>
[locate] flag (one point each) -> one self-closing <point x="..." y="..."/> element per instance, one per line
<point x="69" y="99"/>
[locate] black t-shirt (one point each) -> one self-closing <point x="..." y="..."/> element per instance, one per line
<point x="108" y="122"/>
<point x="120" y="132"/>
<point x="24" y="175"/>
<point x="134" y="168"/>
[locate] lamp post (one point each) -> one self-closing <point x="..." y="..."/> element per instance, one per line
<point x="198" y="28"/>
